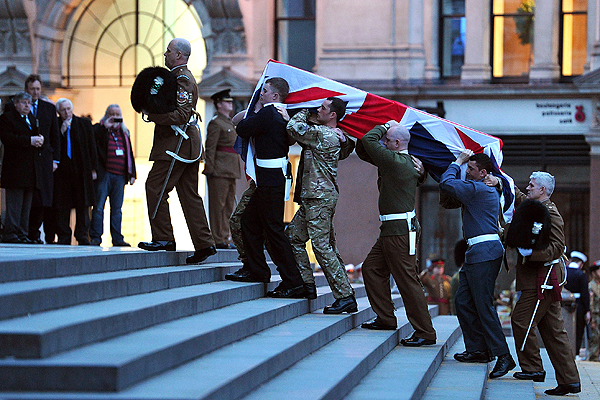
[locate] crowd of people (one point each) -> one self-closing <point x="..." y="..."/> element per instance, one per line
<point x="54" y="164"/>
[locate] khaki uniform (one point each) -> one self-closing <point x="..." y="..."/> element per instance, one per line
<point x="184" y="177"/>
<point x="318" y="196"/>
<point x="438" y="290"/>
<point x="222" y="168"/>
<point x="548" y="318"/>
<point x="594" y="350"/>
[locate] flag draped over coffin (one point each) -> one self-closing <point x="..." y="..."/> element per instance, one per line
<point x="435" y="141"/>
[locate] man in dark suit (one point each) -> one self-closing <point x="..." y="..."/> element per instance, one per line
<point x="22" y="145"/>
<point x="41" y="208"/>
<point x="184" y="175"/>
<point x="75" y="175"/>
<point x="263" y="216"/>
<point x="577" y="283"/>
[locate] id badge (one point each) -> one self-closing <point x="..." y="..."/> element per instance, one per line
<point x="119" y="152"/>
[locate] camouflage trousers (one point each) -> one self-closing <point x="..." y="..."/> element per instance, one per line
<point x="594" y="341"/>
<point x="235" y="222"/>
<point x="314" y="221"/>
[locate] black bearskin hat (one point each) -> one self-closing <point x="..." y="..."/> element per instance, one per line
<point x="530" y="226"/>
<point x="154" y="91"/>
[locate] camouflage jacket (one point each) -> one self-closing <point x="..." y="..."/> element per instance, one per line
<point x="321" y="154"/>
<point x="594" y="288"/>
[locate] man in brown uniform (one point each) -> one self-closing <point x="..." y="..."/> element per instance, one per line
<point x="184" y="175"/>
<point x="222" y="168"/>
<point x="531" y="266"/>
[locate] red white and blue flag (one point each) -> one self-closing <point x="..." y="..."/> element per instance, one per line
<point x="435" y="141"/>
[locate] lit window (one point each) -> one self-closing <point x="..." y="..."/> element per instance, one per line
<point x="574" y="35"/>
<point x="512" y="41"/>
<point x="453" y="29"/>
<point x="295" y="33"/>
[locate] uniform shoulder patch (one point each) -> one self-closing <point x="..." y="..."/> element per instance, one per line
<point x="183" y="76"/>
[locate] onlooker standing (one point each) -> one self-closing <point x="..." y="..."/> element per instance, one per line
<point x="75" y="175"/>
<point x="222" y="168"/>
<point x="22" y="144"/>
<point x="482" y="331"/>
<point x="594" y="286"/>
<point x="437" y="285"/>
<point x="116" y="168"/>
<point x="49" y="157"/>
<point x="577" y="283"/>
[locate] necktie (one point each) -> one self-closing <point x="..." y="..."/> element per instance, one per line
<point x="69" y="142"/>
<point x="35" y="109"/>
<point x="27" y="121"/>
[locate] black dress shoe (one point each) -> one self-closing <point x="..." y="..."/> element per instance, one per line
<point x="539" y="376"/>
<point x="201" y="255"/>
<point x="474" y="357"/>
<point x="225" y="246"/>
<point x="120" y="244"/>
<point x="36" y="241"/>
<point x="168" y="245"/>
<point x="12" y="240"/>
<point x="242" y="275"/>
<point x="378" y="326"/>
<point x="296" y="292"/>
<point x="345" y="304"/>
<point x="504" y="364"/>
<point x="565" y="388"/>
<point x="414" y="341"/>
<point x="311" y="291"/>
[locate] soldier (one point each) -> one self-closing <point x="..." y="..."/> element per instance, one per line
<point x="318" y="193"/>
<point x="595" y="309"/>
<point x="222" y="168"/>
<point x="437" y="285"/>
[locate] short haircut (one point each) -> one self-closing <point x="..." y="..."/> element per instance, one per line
<point x="63" y="100"/>
<point x="21" y="96"/>
<point x="281" y="86"/>
<point x="182" y="45"/>
<point x="338" y="106"/>
<point x="482" y="161"/>
<point x="32" y="78"/>
<point x="544" y="179"/>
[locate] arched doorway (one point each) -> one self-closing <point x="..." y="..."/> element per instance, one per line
<point x="107" y="42"/>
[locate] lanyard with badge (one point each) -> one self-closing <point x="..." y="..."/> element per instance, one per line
<point x="118" y="151"/>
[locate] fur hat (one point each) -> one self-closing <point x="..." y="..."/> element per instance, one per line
<point x="154" y="91"/>
<point x="530" y="226"/>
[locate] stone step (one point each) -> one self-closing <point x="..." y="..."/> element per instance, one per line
<point x="406" y="371"/>
<point x="33" y="296"/>
<point x="238" y="368"/>
<point x="27" y="262"/>
<point x="458" y="381"/>
<point x="117" y="363"/>
<point x="50" y="332"/>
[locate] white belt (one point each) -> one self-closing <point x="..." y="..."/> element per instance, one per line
<point x="412" y="234"/>
<point x="391" y="217"/>
<point x="482" y="238"/>
<point x="549" y="263"/>
<point x="272" y="163"/>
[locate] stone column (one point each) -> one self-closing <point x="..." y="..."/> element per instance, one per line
<point x="431" y="22"/>
<point x="476" y="68"/>
<point x="416" y="67"/>
<point x="593" y="18"/>
<point x="545" y="68"/>
<point x="593" y="139"/>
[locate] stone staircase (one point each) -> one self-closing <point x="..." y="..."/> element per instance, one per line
<point x="93" y="323"/>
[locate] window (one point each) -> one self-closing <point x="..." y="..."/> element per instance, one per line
<point x="295" y="33"/>
<point x="573" y="35"/>
<point x="512" y="38"/>
<point x="452" y="42"/>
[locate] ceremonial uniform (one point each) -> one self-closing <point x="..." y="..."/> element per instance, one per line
<point x="318" y="192"/>
<point x="477" y="316"/>
<point x="531" y="272"/>
<point x="438" y="291"/>
<point x="264" y="212"/>
<point x="222" y="168"/>
<point x="397" y="183"/>
<point x="184" y="176"/>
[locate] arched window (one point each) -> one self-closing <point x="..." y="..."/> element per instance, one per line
<point x="109" y="41"/>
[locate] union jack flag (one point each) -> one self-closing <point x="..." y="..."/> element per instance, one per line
<point x="434" y="140"/>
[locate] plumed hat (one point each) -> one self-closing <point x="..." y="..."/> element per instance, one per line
<point x="154" y="91"/>
<point x="530" y="226"/>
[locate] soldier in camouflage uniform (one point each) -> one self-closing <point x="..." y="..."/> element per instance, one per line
<point x="594" y="285"/>
<point x="317" y="177"/>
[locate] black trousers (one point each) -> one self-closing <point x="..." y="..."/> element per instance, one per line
<point x="264" y="217"/>
<point x="16" y="220"/>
